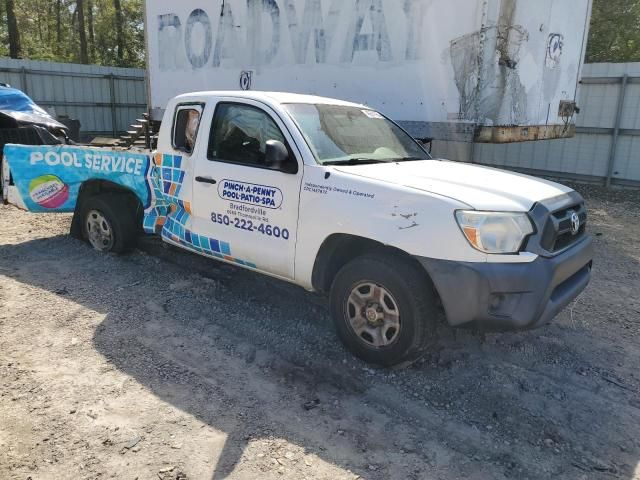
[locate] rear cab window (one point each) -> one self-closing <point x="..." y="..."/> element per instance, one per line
<point x="186" y="125"/>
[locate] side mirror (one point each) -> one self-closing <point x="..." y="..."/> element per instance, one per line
<point x="277" y="157"/>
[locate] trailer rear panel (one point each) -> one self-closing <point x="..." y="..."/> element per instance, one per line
<point x="489" y="71"/>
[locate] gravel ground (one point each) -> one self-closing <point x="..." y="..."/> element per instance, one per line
<point x="163" y="365"/>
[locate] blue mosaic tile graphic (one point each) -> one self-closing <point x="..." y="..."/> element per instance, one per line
<point x="169" y="216"/>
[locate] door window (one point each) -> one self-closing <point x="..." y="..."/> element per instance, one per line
<point x="240" y="134"/>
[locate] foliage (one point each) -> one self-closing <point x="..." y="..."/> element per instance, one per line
<point x="615" y="31"/>
<point x="49" y="30"/>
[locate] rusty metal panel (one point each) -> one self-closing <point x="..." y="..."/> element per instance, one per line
<point x="523" y="134"/>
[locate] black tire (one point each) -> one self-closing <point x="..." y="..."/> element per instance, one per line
<point x="120" y="216"/>
<point x="408" y="287"/>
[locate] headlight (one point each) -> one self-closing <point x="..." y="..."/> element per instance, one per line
<point x="495" y="232"/>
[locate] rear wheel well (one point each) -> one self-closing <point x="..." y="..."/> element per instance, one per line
<point x="95" y="187"/>
<point x="339" y="249"/>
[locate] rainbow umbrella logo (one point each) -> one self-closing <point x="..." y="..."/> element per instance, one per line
<point x="49" y="191"/>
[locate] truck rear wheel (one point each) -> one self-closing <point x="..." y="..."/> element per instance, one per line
<point x="384" y="309"/>
<point x="108" y="224"/>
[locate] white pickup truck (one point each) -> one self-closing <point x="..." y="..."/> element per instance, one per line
<point x="336" y="198"/>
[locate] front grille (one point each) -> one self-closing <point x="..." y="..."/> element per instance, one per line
<point x="558" y="231"/>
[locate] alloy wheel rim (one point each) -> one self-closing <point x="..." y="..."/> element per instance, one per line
<point x="373" y="314"/>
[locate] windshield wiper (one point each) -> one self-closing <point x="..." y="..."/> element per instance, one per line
<point x="356" y="161"/>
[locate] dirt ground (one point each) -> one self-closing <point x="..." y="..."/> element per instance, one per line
<point x="163" y="365"/>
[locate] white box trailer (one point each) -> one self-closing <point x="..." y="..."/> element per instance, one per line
<point x="493" y="71"/>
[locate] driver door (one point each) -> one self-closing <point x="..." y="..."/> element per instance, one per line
<point x="246" y="210"/>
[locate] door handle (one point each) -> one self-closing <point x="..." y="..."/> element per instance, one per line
<point x="206" y="180"/>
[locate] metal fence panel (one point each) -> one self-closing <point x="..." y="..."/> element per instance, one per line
<point x="106" y="100"/>
<point x="627" y="161"/>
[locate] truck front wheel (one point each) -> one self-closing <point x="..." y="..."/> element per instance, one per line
<point x="108" y="224"/>
<point x="384" y="309"/>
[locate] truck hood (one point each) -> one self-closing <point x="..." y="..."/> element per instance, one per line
<point x="482" y="188"/>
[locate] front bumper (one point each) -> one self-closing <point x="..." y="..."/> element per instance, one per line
<point x="511" y="296"/>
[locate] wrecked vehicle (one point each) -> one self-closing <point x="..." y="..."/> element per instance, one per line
<point x="336" y="198"/>
<point x="24" y="122"/>
<point x="21" y="118"/>
<point x="18" y="110"/>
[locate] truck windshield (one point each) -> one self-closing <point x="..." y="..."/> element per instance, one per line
<point x="351" y="135"/>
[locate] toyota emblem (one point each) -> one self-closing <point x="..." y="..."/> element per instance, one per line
<point x="575" y="223"/>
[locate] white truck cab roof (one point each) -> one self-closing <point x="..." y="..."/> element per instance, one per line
<point x="271" y="98"/>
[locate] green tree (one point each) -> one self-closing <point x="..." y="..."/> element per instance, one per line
<point x="15" y="49"/>
<point x="76" y="31"/>
<point x="119" y="25"/>
<point x="82" y="32"/>
<point x="615" y="31"/>
<point x="120" y="43"/>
